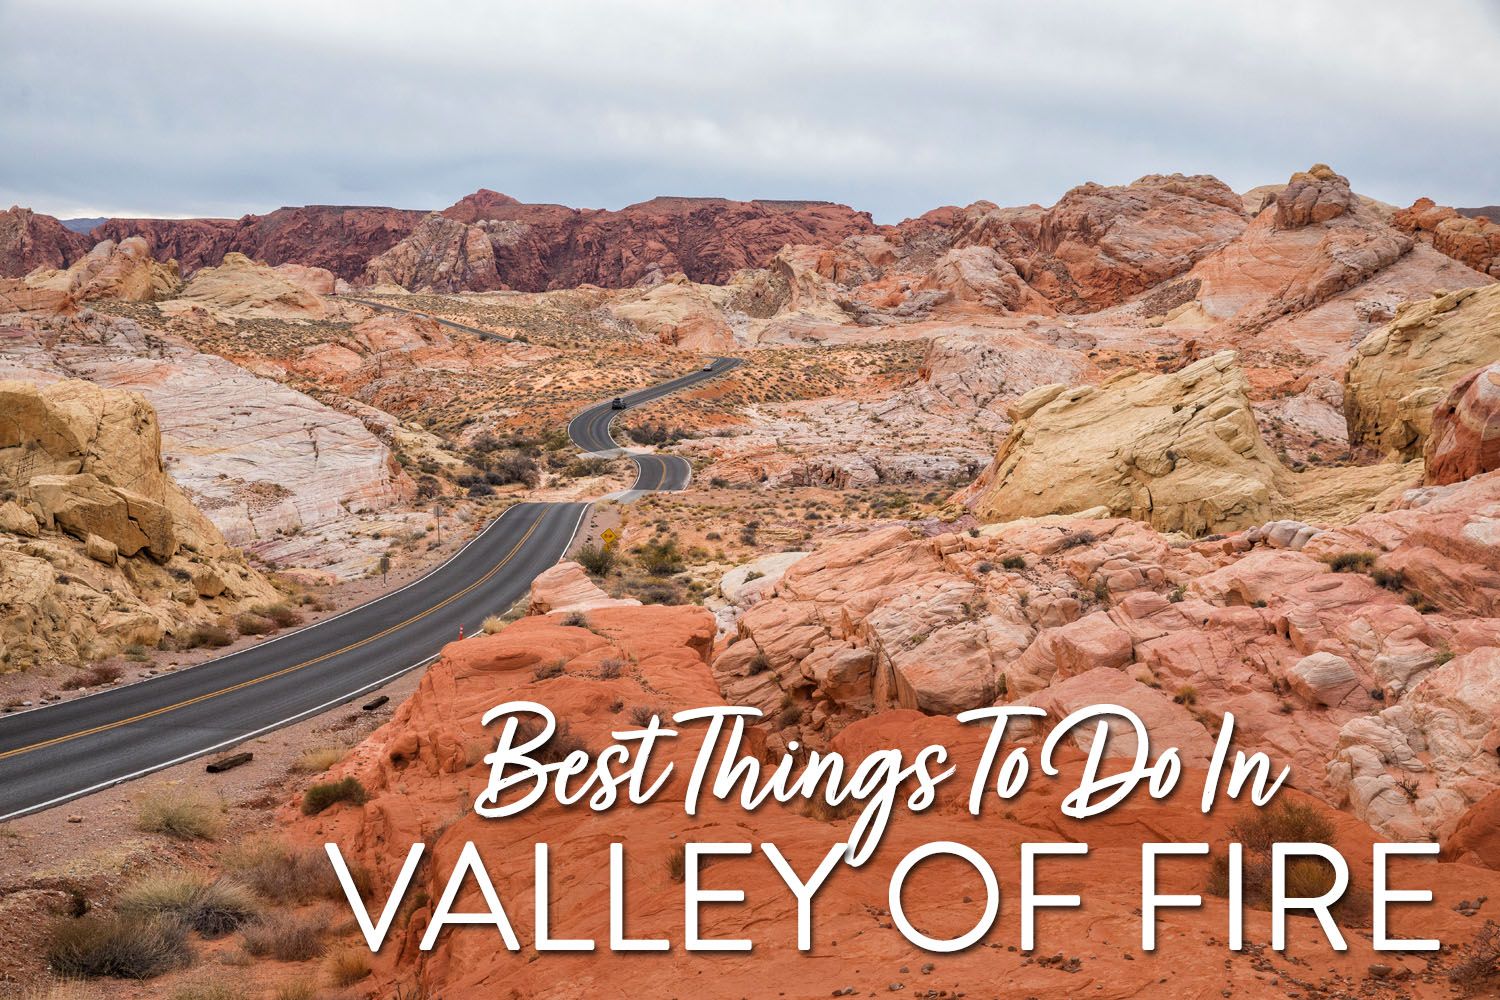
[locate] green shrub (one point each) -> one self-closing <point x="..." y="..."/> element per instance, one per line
<point x="598" y="560"/>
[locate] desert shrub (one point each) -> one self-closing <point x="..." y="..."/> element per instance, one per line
<point x="547" y="671"/>
<point x="575" y="619"/>
<point x="250" y="623"/>
<point x="317" y="760"/>
<point x="790" y="715"/>
<point x="611" y="668"/>
<point x="1187" y="695"/>
<point x="513" y="467"/>
<point x="1351" y="562"/>
<point x="759" y="664"/>
<point x="286" y="937"/>
<point x="213" y="636"/>
<point x="558" y="746"/>
<point x="103" y="673"/>
<point x="1481" y="959"/>
<point x="125" y="947"/>
<point x="278" y="873"/>
<point x="324" y="794"/>
<point x="660" y="558"/>
<point x="1078" y="539"/>
<point x="1013" y="562"/>
<point x="1390" y="579"/>
<point x="481" y="489"/>
<point x="179" y="812"/>
<point x="596" y="559"/>
<point x="348" y="966"/>
<point x="641" y="715"/>
<point x="295" y="989"/>
<point x="206" y="986"/>
<point x="1286" y="822"/>
<point x="213" y="909"/>
<point x="282" y="614"/>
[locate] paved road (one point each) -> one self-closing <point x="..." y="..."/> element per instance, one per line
<point x="51" y="754"/>
<point x="590" y="431"/>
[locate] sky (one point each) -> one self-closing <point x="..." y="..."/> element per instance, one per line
<point x="161" y="108"/>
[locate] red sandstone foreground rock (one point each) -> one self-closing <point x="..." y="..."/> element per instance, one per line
<point x="424" y="769"/>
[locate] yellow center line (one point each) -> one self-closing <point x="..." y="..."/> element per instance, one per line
<point x="285" y="670"/>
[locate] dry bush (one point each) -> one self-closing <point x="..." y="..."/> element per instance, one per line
<point x="283" y="615"/>
<point x="213" y="636"/>
<point x="324" y="794"/>
<point x="318" y="760"/>
<point x="677" y="863"/>
<point x="213" y="909"/>
<point x="557" y="748"/>
<point x="348" y="966"/>
<point x="286" y="937"/>
<point x="122" y="946"/>
<point x="295" y="989"/>
<point x="62" y="989"/>
<point x="1480" y="961"/>
<point x="280" y="874"/>
<point x="180" y="812"/>
<point x="250" y="623"/>
<point x="103" y="673"/>
<point x="206" y="986"/>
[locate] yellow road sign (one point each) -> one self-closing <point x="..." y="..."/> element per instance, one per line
<point x="609" y="536"/>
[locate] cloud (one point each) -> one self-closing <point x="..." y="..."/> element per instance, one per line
<point x="176" y="108"/>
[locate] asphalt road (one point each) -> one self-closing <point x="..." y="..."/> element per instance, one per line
<point x="51" y="754"/>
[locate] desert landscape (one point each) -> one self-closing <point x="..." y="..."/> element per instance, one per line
<point x="1189" y="450"/>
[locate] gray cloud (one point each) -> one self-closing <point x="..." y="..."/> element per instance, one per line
<point x="173" y="108"/>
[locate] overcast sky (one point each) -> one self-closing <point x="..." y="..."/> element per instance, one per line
<point x="163" y="108"/>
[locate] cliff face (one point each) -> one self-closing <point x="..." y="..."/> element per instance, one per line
<point x="338" y="238"/>
<point x="29" y="241"/>
<point x="490" y="240"/>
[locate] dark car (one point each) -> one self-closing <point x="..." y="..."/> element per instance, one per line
<point x="617" y="403"/>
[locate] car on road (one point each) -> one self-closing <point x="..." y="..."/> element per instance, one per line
<point x="709" y="367"/>
<point x="617" y="403"/>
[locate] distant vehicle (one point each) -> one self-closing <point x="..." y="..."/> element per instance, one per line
<point x="709" y="367"/>
<point x="617" y="403"/>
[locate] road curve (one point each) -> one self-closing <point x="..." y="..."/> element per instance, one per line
<point x="58" y="752"/>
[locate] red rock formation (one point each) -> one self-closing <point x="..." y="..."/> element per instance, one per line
<point x="1465" y="436"/>
<point x="424" y="768"/>
<point x="339" y="238"/>
<point x="29" y="241"/>
<point x="1472" y="241"/>
<point x="1315" y="195"/>
<point x="537" y="247"/>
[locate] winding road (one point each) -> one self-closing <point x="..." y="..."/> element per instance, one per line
<point x="58" y="752"/>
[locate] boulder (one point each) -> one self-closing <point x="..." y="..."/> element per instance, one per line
<point x="17" y="520"/>
<point x="1180" y="451"/>
<point x="1465" y="436"/>
<point x="101" y="550"/>
<point x="1323" y="679"/>
<point x="84" y="506"/>
<point x="1312" y="196"/>
<point x="1402" y="372"/>
<point x="565" y="587"/>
